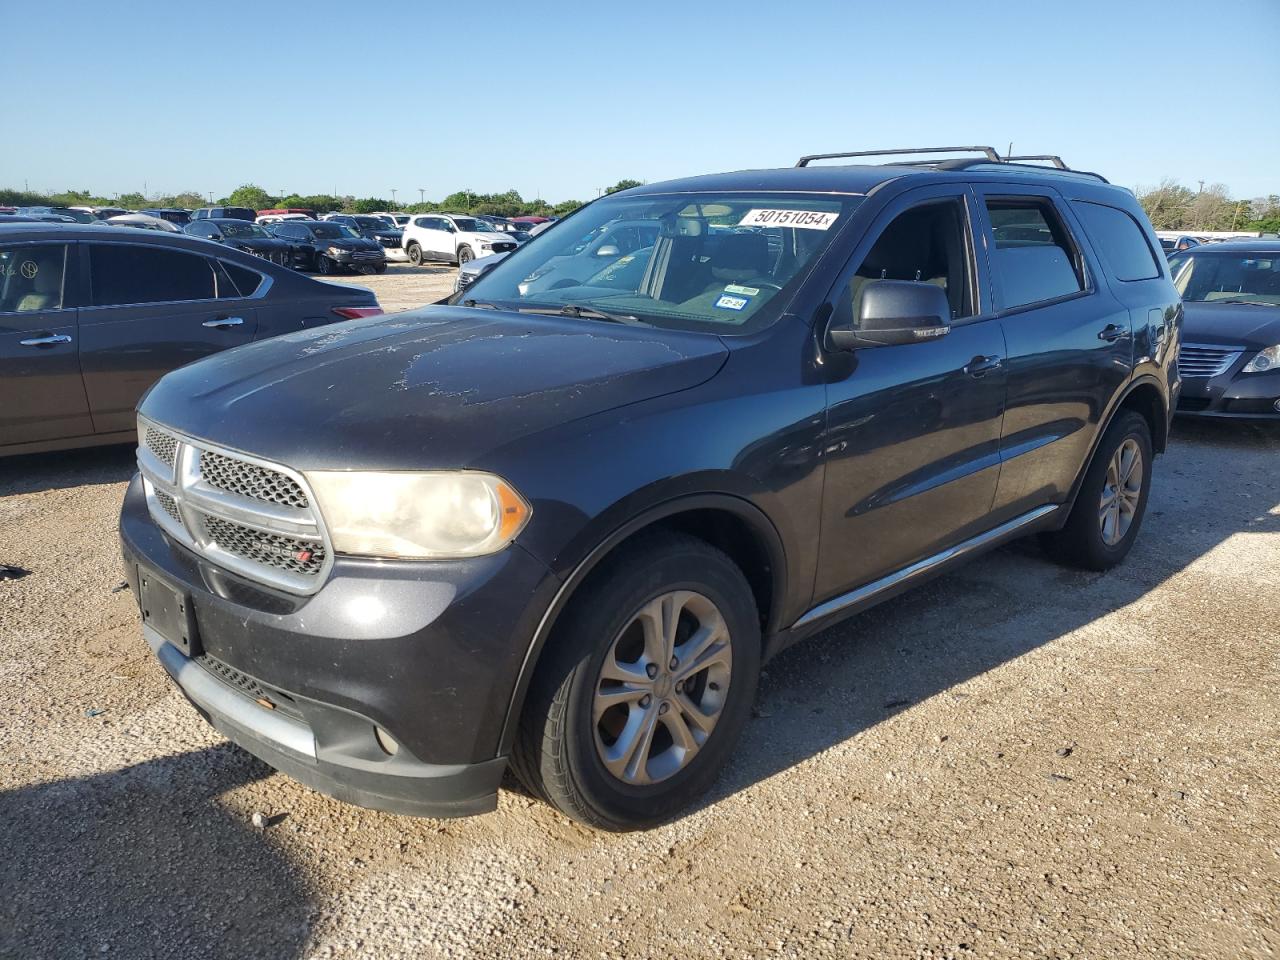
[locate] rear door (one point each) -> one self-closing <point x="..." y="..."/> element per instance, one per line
<point x="41" y="392"/>
<point x="438" y="239"/>
<point x="150" y="309"/>
<point x="1070" y="346"/>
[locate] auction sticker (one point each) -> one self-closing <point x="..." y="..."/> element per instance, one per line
<point x="806" y="219"/>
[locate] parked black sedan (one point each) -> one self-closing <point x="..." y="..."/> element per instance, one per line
<point x="241" y="235"/>
<point x="391" y="239"/>
<point x="1230" y="360"/>
<point x="329" y="247"/>
<point x="91" y="317"/>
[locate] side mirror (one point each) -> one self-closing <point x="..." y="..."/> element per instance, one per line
<point x="894" y="312"/>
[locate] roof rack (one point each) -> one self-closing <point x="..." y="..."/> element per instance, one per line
<point x="989" y="151"/>
<point x="958" y="163"/>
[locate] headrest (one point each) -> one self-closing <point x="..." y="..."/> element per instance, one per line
<point x="741" y="252"/>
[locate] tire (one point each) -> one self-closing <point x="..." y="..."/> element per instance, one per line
<point x="1097" y="537"/>
<point x="380" y="268"/>
<point x="324" y="266"/>
<point x="561" y="747"/>
<point x="465" y="254"/>
<point x="415" y="254"/>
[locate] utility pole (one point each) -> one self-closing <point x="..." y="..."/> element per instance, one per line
<point x="393" y="198"/>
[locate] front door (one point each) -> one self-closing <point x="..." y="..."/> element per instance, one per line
<point x="41" y="393"/>
<point x="150" y="310"/>
<point x="913" y="431"/>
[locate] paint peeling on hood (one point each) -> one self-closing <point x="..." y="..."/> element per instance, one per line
<point x="435" y="388"/>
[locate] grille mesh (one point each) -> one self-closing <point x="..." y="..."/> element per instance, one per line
<point x="270" y="549"/>
<point x="161" y="444"/>
<point x="247" y="685"/>
<point x="1204" y="362"/>
<point x="251" y="480"/>
<point x="169" y="506"/>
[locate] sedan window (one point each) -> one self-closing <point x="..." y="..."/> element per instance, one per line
<point x="121" y="273"/>
<point x="31" y="277"/>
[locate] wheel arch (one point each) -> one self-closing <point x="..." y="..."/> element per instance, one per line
<point x="730" y="523"/>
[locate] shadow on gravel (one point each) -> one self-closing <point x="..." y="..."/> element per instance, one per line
<point x="927" y="642"/>
<point x="143" y="863"/>
<point x="33" y="472"/>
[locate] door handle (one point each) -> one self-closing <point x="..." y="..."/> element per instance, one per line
<point x="45" y="341"/>
<point x="1112" y="331"/>
<point x="223" y="323"/>
<point x="980" y="366"/>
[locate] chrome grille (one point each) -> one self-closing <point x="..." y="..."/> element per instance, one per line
<point x="283" y="553"/>
<point x="247" y="515"/>
<point x="161" y="444"/>
<point x="250" y="480"/>
<point x="1203" y="362"/>
<point x="464" y="279"/>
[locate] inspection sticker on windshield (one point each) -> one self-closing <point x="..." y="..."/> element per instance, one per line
<point x="741" y="291"/>
<point x="807" y="219"/>
<point x="727" y="302"/>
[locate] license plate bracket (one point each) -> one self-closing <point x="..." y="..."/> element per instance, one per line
<point x="168" y="611"/>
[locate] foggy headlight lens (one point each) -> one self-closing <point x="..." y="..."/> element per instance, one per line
<point x="419" y="515"/>
<point x="1268" y="359"/>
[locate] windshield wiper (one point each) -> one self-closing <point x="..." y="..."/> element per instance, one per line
<point x="583" y="313"/>
<point x="481" y="304"/>
<point x="1252" y="303"/>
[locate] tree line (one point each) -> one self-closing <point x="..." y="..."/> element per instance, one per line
<point x="1171" y="206"/>
<point x="508" y="204"/>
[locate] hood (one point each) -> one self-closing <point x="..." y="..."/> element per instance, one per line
<point x="349" y="243"/>
<point x="256" y="243"/>
<point x="435" y="388"/>
<point x="1234" y="324"/>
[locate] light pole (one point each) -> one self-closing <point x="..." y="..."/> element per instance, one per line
<point x="393" y="198"/>
<point x="422" y="195"/>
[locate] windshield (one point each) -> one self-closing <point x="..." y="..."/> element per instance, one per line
<point x="333" y="231"/>
<point x="243" y="230"/>
<point x="471" y="225"/>
<point x="370" y="223"/>
<point x="1221" y="275"/>
<point x="719" y="262"/>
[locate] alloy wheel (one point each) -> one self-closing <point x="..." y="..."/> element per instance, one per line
<point x="662" y="687"/>
<point x="1121" y="492"/>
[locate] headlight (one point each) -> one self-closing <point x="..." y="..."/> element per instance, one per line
<point x="1268" y="359"/>
<point x="419" y="515"/>
<point x="336" y="251"/>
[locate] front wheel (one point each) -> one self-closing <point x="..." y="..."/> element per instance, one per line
<point x="324" y="266"/>
<point x="1112" y="500"/>
<point x="465" y="255"/>
<point x="645" y="686"/>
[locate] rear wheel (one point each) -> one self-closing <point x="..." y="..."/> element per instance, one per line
<point x="1112" y="500"/>
<point x="415" y="254"/>
<point x="465" y="254"/>
<point x="645" y="686"/>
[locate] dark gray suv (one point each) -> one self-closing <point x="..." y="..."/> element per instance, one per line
<point x="560" y="528"/>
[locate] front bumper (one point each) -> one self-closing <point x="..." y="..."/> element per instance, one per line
<point x="428" y="654"/>
<point x="1232" y="395"/>
<point x="359" y="258"/>
<point x="396" y="254"/>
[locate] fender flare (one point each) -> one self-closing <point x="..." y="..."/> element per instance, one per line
<point x="756" y="518"/>
<point x="1143" y="380"/>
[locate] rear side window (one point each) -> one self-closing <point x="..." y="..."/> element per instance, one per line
<point x="31" y="277"/>
<point x="121" y="273"/>
<point x="1121" y="241"/>
<point x="1034" y="257"/>
<point x="246" y="281"/>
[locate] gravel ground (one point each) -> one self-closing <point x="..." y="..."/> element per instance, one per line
<point x="1014" y="761"/>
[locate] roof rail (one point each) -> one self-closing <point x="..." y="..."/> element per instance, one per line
<point x="989" y="151"/>
<point x="1052" y="158"/>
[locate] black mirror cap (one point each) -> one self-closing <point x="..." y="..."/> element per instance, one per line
<point x="895" y="312"/>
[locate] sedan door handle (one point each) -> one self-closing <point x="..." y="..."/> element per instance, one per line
<point x="45" y="341"/>
<point x="1113" y="331"/>
<point x="223" y="323"/>
<point x="980" y="366"/>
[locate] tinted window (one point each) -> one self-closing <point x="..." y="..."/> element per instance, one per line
<point x="928" y="244"/>
<point x="246" y="281"/>
<point x="1121" y="241"/>
<point x="121" y="273"/>
<point x="1033" y="256"/>
<point x="31" y="277"/>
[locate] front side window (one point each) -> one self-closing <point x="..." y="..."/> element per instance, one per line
<point x="1223" y="276"/>
<point x="124" y="274"/>
<point x="1120" y="240"/>
<point x="715" y="262"/>
<point x="31" y="277"/>
<point x="927" y="244"/>
<point x="1033" y="257"/>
